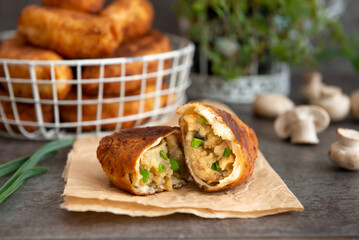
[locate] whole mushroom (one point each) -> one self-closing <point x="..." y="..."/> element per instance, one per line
<point x="345" y="152"/>
<point x="312" y="86"/>
<point x="271" y="105"/>
<point x="302" y="124"/>
<point x="334" y="102"/>
<point x="354" y="103"/>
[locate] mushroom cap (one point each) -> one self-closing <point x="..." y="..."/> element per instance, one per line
<point x="345" y="152"/>
<point x="317" y="115"/>
<point x="354" y="103"/>
<point x="335" y="103"/>
<point x="330" y="90"/>
<point x="348" y="137"/>
<point x="271" y="105"/>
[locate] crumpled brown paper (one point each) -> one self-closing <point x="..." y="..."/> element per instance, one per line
<point x="89" y="189"/>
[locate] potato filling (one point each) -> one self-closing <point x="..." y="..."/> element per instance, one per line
<point x="213" y="155"/>
<point x="161" y="167"/>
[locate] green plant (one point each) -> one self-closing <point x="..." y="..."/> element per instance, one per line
<point x="235" y="34"/>
<point x="25" y="167"/>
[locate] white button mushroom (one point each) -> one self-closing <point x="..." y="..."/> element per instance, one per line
<point x="345" y="152"/>
<point x="302" y="124"/>
<point x="354" y="102"/>
<point x="312" y="86"/>
<point x="271" y="105"/>
<point x="334" y="102"/>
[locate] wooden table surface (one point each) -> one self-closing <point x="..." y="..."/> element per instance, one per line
<point x="330" y="195"/>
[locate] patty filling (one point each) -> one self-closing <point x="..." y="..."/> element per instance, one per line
<point x="161" y="167"/>
<point x="212" y="157"/>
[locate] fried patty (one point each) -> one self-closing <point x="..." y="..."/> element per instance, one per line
<point x="133" y="17"/>
<point x="72" y="34"/>
<point x="91" y="6"/>
<point x="111" y="110"/>
<point x="220" y="149"/>
<point x="26" y="112"/>
<point x="18" y="48"/>
<point x="153" y="43"/>
<point x="132" y="159"/>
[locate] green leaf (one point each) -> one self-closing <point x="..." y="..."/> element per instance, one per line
<point x="175" y="166"/>
<point x="46" y="150"/>
<point x="227" y="152"/>
<point x="31" y="172"/>
<point x="296" y="32"/>
<point x="145" y="174"/>
<point x="196" y="142"/>
<point x="215" y="166"/>
<point x="162" y="168"/>
<point x="163" y="155"/>
<point x="12" y="166"/>
<point x="202" y="120"/>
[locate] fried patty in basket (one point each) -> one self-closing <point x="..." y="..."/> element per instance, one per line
<point x="153" y="43"/>
<point x="133" y="17"/>
<point x="72" y="34"/>
<point x="91" y="6"/>
<point x="111" y="110"/>
<point x="26" y="112"/>
<point x="18" y="48"/>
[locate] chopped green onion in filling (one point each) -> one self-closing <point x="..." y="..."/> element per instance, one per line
<point x="163" y="155"/>
<point x="175" y="166"/>
<point x="202" y="120"/>
<point x="162" y="168"/>
<point x="196" y="142"/>
<point x="215" y="166"/>
<point x="227" y="153"/>
<point x="145" y="174"/>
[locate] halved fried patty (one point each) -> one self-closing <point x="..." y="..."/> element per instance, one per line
<point x="144" y="160"/>
<point x="220" y="149"/>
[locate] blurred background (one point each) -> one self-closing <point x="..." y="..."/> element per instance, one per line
<point x="165" y="20"/>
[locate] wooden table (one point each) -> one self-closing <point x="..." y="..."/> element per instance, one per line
<point x="330" y="195"/>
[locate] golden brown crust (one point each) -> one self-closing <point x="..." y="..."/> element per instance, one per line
<point x="72" y="34"/>
<point x="17" y="48"/>
<point x="245" y="138"/>
<point x="119" y="152"/>
<point x="110" y="110"/>
<point x="91" y="6"/>
<point x="133" y="17"/>
<point x="153" y="43"/>
<point x="26" y="112"/>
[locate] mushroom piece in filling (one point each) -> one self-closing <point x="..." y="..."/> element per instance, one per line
<point x="212" y="157"/>
<point x="161" y="167"/>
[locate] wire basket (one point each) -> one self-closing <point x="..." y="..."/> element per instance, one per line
<point x="129" y="110"/>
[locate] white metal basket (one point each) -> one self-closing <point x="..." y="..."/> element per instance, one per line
<point x="176" y="78"/>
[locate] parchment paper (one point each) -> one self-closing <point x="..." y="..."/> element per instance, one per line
<point x="89" y="189"/>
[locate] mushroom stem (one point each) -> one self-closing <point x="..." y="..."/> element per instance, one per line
<point x="313" y="86"/>
<point x="348" y="137"/>
<point x="302" y="124"/>
<point x="304" y="132"/>
<point x="345" y="152"/>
